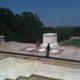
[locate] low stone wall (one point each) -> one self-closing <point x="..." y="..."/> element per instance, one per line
<point x="2" y="39"/>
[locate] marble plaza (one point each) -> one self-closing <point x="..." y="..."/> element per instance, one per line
<point x="13" y="68"/>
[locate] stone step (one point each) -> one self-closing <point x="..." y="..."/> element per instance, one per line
<point x="15" y="67"/>
<point x="2" y="78"/>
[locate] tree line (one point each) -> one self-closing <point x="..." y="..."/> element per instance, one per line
<point x="27" y="27"/>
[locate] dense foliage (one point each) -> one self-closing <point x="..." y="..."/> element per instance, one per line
<point x="27" y="27"/>
<point x="76" y="31"/>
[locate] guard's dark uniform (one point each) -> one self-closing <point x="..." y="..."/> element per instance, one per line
<point x="48" y="50"/>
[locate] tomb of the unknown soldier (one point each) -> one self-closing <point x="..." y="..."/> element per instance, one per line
<point x="50" y="38"/>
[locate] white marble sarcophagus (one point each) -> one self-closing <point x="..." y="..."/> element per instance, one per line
<point x="50" y="38"/>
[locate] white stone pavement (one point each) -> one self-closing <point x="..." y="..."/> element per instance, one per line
<point x="68" y="52"/>
<point x="12" y="68"/>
